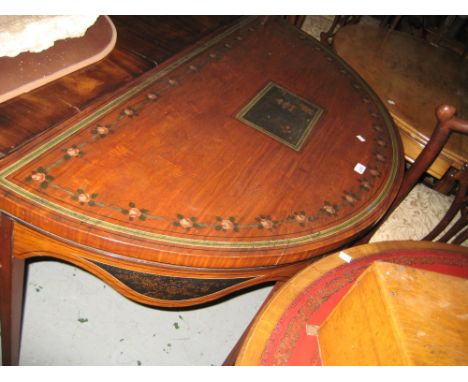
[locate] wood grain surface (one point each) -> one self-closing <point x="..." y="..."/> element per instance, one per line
<point x="398" y="315"/>
<point x="412" y="78"/>
<point x="143" y="42"/>
<point x="28" y="71"/>
<point x="140" y="170"/>
<point x="285" y="331"/>
<point x="163" y="170"/>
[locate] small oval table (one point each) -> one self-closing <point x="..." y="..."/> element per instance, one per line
<point x="234" y="163"/>
<point x="279" y="335"/>
<point x="412" y="77"/>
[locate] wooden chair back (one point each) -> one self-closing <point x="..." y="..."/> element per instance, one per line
<point x="447" y="123"/>
<point x="326" y="38"/>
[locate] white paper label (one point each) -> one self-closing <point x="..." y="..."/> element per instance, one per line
<point x="360" y="168"/>
<point x="345" y="257"/>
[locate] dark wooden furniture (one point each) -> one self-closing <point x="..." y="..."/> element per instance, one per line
<point x="297" y="21"/>
<point x="28" y="71"/>
<point x="337" y="23"/>
<point x="234" y="163"/>
<point x="285" y="331"/>
<point x="446" y="125"/>
<point x="411" y="77"/>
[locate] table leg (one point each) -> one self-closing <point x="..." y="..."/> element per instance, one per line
<point x="11" y="294"/>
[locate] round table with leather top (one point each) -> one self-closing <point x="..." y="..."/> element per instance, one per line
<point x="287" y="329"/>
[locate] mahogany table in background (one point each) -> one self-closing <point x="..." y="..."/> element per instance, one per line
<point x="143" y="43"/>
<point x="279" y="335"/>
<point x="411" y="77"/>
<point x="234" y="163"/>
<point x="28" y="71"/>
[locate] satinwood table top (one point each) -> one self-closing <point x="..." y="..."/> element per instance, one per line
<point x="255" y="147"/>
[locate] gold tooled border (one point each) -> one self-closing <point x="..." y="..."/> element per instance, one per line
<point x="196" y="243"/>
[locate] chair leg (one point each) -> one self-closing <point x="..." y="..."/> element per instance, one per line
<point x="460" y="203"/>
<point x="395" y="22"/>
<point x="11" y="294"/>
<point x="297" y="21"/>
<point x="456" y="206"/>
<point x="457" y="227"/>
<point x="461" y="237"/>
<point x="452" y="231"/>
<point x="326" y="38"/>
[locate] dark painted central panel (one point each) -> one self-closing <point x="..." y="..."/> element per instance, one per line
<point x="282" y="115"/>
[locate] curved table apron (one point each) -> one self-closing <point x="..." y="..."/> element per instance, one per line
<point x="279" y="334"/>
<point x="233" y="164"/>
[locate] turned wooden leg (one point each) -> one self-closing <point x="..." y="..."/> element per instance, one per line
<point x="11" y="294"/>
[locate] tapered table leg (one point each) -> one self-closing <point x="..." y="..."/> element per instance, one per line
<point x="11" y="294"/>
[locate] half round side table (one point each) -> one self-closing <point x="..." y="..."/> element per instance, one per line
<point x="235" y="163"/>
